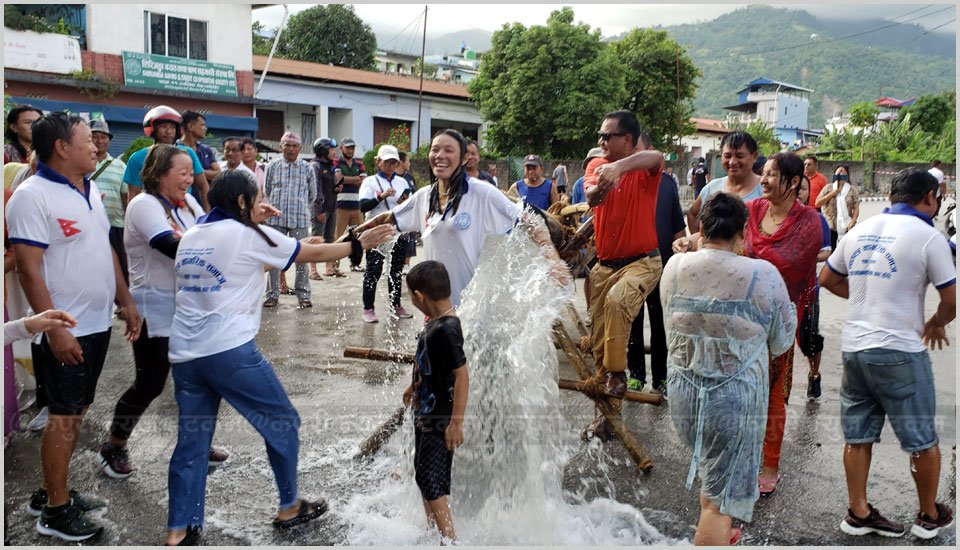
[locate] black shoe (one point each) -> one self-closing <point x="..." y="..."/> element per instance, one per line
<point x="217" y="457"/>
<point x="192" y="538"/>
<point x="813" y="388"/>
<point x="115" y="461"/>
<point x="926" y="528"/>
<point x="874" y="523"/>
<point x="304" y="303"/>
<point x="66" y="523"/>
<point x="39" y="499"/>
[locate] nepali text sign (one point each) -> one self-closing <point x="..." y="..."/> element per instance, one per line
<point x="178" y="74"/>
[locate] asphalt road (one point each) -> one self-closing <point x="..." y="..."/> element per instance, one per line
<point x="341" y="400"/>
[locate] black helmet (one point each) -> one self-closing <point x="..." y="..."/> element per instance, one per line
<point x="322" y="146"/>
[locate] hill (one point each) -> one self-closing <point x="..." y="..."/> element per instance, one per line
<point x="796" y="47"/>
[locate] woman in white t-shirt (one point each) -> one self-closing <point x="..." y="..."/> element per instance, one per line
<point x="154" y="221"/>
<point x="220" y="265"/>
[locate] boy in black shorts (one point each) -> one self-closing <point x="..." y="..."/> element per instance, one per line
<point x="438" y="392"/>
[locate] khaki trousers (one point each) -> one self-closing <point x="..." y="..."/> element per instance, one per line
<point x="346" y="218"/>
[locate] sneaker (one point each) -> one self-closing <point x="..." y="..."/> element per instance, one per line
<point x="813" y="388"/>
<point x="369" y="316"/>
<point x="634" y="384"/>
<point x="616" y="384"/>
<point x="217" y="457"/>
<point x="926" y="528"/>
<point x="402" y="313"/>
<point x="25" y="399"/>
<point x="662" y="389"/>
<point x="115" y="461"/>
<point x="874" y="523"/>
<point x="66" y="523"/>
<point x="39" y="499"/>
<point x="39" y="422"/>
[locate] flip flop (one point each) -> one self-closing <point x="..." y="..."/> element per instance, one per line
<point x="734" y="535"/>
<point x="768" y="492"/>
<point x="303" y="515"/>
<point x="316" y="277"/>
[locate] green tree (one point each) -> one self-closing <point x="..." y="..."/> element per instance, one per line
<point x="545" y="89"/>
<point x="863" y="114"/>
<point x="331" y="34"/>
<point x="261" y="44"/>
<point x="651" y="59"/>
<point x="767" y="142"/>
<point x="933" y="111"/>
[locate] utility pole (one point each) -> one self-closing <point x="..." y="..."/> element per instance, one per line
<point x="679" y="109"/>
<point x="423" y="54"/>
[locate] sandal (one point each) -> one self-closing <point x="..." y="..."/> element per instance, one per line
<point x="303" y="515"/>
<point x="337" y="273"/>
<point x="316" y="277"/>
<point x="270" y="302"/>
<point x="768" y="492"/>
<point x="734" y="535"/>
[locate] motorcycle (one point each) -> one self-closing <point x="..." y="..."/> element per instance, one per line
<point x="950" y="228"/>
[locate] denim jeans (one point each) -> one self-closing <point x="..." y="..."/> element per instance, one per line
<point x="246" y="380"/>
<point x="301" y="284"/>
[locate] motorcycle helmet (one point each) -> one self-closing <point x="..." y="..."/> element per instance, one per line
<point x="322" y="146"/>
<point x="161" y="113"/>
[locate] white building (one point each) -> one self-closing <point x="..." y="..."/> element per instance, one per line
<point x="779" y="105"/>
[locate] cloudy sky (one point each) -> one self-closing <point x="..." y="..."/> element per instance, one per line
<point x="612" y="19"/>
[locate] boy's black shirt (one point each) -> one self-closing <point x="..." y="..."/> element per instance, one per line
<point x="439" y="353"/>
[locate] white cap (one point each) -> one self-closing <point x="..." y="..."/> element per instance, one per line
<point x="388" y="152"/>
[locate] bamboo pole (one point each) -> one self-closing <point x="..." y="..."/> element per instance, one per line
<point x="375" y="440"/>
<point x="631" y="395"/>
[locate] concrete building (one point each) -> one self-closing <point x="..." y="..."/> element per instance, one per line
<point x="779" y="105"/>
<point x="396" y="62"/>
<point x="707" y="137"/>
<point x="129" y="58"/>
<point x="323" y="100"/>
<point x="456" y="68"/>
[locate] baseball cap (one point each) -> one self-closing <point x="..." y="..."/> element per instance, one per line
<point x="594" y="153"/>
<point x="388" y="152"/>
<point x="532" y="160"/>
<point x="290" y="137"/>
<point x="100" y="125"/>
<point x="347" y="142"/>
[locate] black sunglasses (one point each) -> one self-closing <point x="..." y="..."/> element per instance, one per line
<point x="606" y="136"/>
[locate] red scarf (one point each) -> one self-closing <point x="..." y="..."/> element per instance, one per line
<point x="792" y="249"/>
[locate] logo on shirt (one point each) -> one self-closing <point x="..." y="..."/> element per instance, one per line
<point x="462" y="221"/>
<point x="872" y="260"/>
<point x="67" y="226"/>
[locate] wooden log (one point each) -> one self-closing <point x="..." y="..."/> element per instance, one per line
<point x="560" y="336"/>
<point x="631" y="395"/>
<point x="375" y="440"/>
<point x="378" y="354"/>
<point x="581" y="328"/>
<point x="579" y="240"/>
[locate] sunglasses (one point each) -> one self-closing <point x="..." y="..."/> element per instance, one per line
<point x="605" y="136"/>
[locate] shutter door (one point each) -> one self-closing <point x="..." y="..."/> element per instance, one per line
<point x="123" y="135"/>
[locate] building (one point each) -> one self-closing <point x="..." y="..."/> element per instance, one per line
<point x="889" y="109"/>
<point x="396" y="62"/>
<point x="128" y="58"/>
<point x="706" y="138"/>
<point x="456" y="68"/>
<point x="779" y="105"/>
<point x="323" y="100"/>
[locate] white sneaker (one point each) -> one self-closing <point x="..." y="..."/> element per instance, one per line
<point x="39" y="421"/>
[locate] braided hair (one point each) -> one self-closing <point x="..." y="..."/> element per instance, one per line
<point x="458" y="181"/>
<point x="159" y="161"/>
<point x="227" y="188"/>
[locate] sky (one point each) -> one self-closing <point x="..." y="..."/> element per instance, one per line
<point x="612" y="19"/>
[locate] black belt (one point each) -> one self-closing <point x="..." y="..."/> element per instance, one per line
<point x="621" y="263"/>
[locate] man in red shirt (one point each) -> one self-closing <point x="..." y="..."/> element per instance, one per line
<point x="817" y="181"/>
<point x="621" y="186"/>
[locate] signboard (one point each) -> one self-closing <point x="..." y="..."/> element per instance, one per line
<point x="162" y="72"/>
<point x="42" y="52"/>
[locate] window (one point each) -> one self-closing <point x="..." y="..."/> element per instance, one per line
<point x="308" y="127"/>
<point x="174" y="36"/>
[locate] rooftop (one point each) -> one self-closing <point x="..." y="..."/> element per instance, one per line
<point x="710" y="125"/>
<point x="768" y="82"/>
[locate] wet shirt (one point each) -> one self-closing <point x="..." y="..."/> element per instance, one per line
<point x="625" y="221"/>
<point x="439" y="353"/>
<point x="720" y="184"/>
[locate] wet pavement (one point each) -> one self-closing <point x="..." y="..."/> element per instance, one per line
<point x="341" y="400"/>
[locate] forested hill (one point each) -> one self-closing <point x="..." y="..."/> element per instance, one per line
<point x="776" y="43"/>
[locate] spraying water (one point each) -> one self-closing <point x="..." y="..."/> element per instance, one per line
<point x="507" y="476"/>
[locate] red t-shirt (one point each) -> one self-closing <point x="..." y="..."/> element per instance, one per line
<point x="817" y="182"/>
<point x="625" y="223"/>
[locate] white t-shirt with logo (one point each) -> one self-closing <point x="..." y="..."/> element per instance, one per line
<point x="73" y="229"/>
<point x="456" y="239"/>
<point x="220" y="278"/>
<point x="376" y="184"/>
<point x="889" y="260"/>
<point x="152" y="280"/>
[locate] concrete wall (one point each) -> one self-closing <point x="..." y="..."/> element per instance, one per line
<point x="113" y="28"/>
<point x="883" y="173"/>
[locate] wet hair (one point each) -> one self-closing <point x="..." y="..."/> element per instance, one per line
<point x="159" y="161"/>
<point x="13" y="118"/>
<point x="189" y="117"/>
<point x="458" y="181"/>
<point x="627" y="121"/>
<point x="431" y="279"/>
<point x="48" y="129"/>
<point x="736" y="140"/>
<point x="645" y="139"/>
<point x="790" y="166"/>
<point x="227" y="188"/>
<point x="723" y="216"/>
<point x="911" y="185"/>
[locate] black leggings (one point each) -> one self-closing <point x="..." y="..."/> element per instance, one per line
<point x="152" y="365"/>
<point x="375" y="269"/>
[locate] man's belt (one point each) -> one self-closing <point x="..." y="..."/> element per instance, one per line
<point x="621" y="263"/>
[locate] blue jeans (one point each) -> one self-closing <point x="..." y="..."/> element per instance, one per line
<point x="247" y="381"/>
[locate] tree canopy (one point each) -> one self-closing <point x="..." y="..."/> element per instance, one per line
<point x="933" y="112"/>
<point x="261" y="44"/>
<point x="329" y="34"/>
<point x="544" y="89"/>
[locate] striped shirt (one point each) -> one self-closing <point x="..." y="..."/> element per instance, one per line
<point x="111" y="184"/>
<point x="349" y="196"/>
<point x="292" y="188"/>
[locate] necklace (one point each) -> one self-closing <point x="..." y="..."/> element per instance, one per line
<point x="445" y="312"/>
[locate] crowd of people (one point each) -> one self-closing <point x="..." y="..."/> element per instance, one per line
<point x="180" y="245"/>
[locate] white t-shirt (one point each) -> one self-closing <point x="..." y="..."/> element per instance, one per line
<point x="220" y="278"/>
<point x="889" y="260"/>
<point x="937" y="173"/>
<point x="456" y="240"/>
<point x="372" y="185"/>
<point x="73" y="229"/>
<point x="152" y="280"/>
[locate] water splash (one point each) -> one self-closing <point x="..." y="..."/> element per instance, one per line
<point x="507" y="477"/>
